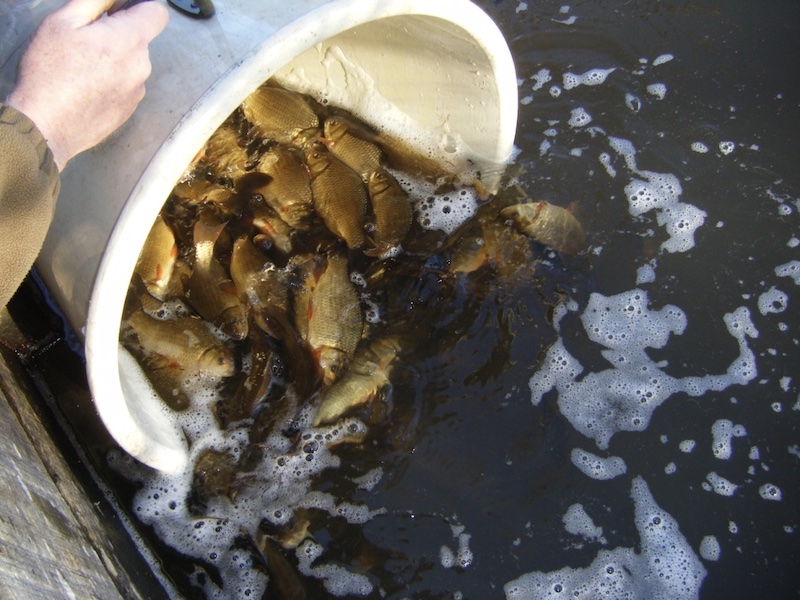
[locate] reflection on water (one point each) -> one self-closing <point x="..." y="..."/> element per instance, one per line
<point x="621" y="424"/>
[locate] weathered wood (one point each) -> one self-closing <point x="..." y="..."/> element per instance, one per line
<point x="54" y="541"/>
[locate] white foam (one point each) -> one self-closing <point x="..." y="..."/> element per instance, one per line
<point x="659" y="90"/>
<point x="592" y="77"/>
<point x="338" y="581"/>
<point x="671" y="468"/>
<point x="769" y="491"/>
<point x="699" y="147"/>
<point x="709" y="548"/>
<point x="579" y="117"/>
<point x="772" y="301"/>
<point x="723" y="431"/>
<point x="660" y="192"/>
<point x="624" y="396"/>
<point x="578" y="522"/>
<point x="790" y="269"/>
<point x="719" y="485"/>
<point x="665" y="568"/>
<point x="663" y="58"/>
<point x="633" y="102"/>
<point x="597" y="467"/>
<point x="727" y="147"/>
<point x="687" y="446"/>
<point x="541" y="78"/>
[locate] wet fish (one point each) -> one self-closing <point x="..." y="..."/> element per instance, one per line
<point x="288" y="192"/>
<point x="548" y="224"/>
<point x="275" y="232"/>
<point x="340" y="197"/>
<point x="260" y="285"/>
<point x="392" y="210"/>
<point x="210" y="291"/>
<point x="329" y="309"/>
<point x="184" y="343"/>
<point x="349" y="141"/>
<point x="366" y="377"/>
<point x="157" y="259"/>
<point x="223" y="155"/>
<point x="281" y="115"/>
<point x="284" y="579"/>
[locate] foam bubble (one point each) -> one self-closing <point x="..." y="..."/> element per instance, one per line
<point x="719" y="485"/>
<point x="579" y="117"/>
<point x="623" y="397"/>
<point x="338" y="581"/>
<point x="790" y="269"/>
<point x="597" y="467"/>
<point x="727" y="147"/>
<point x="699" y="147"/>
<point x="541" y="78"/>
<point x="665" y="568"/>
<point x="440" y="211"/>
<point x="659" y="90"/>
<point x="770" y="491"/>
<point x="592" y="77"/>
<point x="633" y="102"/>
<point x="723" y="432"/>
<point x="709" y="548"/>
<point x="687" y="446"/>
<point x="578" y="522"/>
<point x="671" y="468"/>
<point x="772" y="301"/>
<point x="663" y="58"/>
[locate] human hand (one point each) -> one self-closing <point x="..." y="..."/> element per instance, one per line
<point x="83" y="74"/>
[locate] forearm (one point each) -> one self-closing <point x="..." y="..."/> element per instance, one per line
<point x="29" y="185"/>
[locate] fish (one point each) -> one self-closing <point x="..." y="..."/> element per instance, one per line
<point x="259" y="283"/>
<point x="223" y="155"/>
<point x="281" y="115"/>
<point x="284" y="579"/>
<point x="340" y="197"/>
<point x="184" y="343"/>
<point x="367" y="376"/>
<point x="210" y="291"/>
<point x="351" y="143"/>
<point x="241" y="402"/>
<point x="288" y="192"/>
<point x="157" y="259"/>
<point x="274" y="231"/>
<point x="548" y="224"/>
<point x="392" y="209"/>
<point x="329" y="311"/>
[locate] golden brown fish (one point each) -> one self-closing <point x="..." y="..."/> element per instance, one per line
<point x="392" y="210"/>
<point x="366" y="377"/>
<point x="349" y="141"/>
<point x="548" y="224"/>
<point x="185" y="344"/>
<point x="210" y="291"/>
<point x="260" y="284"/>
<point x="340" y="197"/>
<point x="331" y="314"/>
<point x="223" y="156"/>
<point x="289" y="191"/>
<point x="275" y="232"/>
<point x="157" y="259"/>
<point x="281" y="115"/>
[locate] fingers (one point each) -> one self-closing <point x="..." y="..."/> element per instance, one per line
<point x="82" y="12"/>
<point x="149" y="18"/>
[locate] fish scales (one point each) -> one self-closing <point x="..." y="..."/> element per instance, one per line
<point x="340" y="197"/>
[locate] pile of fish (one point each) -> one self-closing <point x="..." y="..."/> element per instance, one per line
<point x="267" y="272"/>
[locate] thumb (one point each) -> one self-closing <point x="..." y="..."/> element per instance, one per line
<point x="78" y="13"/>
<point x="150" y="18"/>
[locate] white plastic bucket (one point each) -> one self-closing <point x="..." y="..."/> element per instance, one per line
<point x="441" y="63"/>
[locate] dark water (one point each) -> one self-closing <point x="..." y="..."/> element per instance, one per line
<point x="479" y="468"/>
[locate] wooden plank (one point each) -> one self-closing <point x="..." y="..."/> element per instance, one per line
<point x="55" y="542"/>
